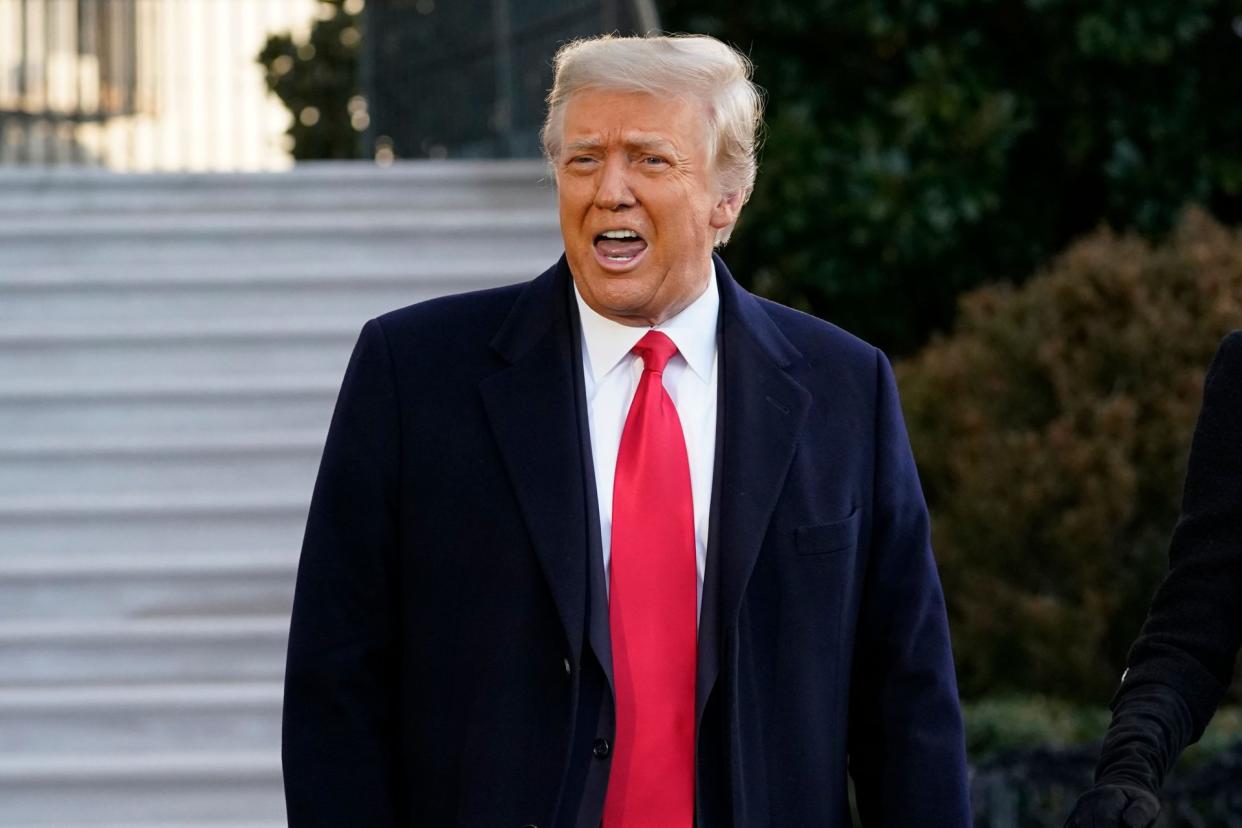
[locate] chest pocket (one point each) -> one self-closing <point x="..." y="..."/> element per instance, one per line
<point x="827" y="538"/>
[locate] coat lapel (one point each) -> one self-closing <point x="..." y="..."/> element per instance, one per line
<point x="530" y="405"/>
<point x="761" y="413"/>
<point x="531" y="408"/>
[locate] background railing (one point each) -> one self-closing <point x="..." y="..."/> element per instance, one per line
<point x="143" y="84"/>
<point x="468" y="79"/>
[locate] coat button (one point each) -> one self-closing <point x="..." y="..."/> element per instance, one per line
<point x="601" y="748"/>
<point x="568" y="670"/>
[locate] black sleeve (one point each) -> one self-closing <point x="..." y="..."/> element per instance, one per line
<point x="1150" y="728"/>
<point x="339" y="729"/>
<point x="1182" y="662"/>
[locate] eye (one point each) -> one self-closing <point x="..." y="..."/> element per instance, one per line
<point x="653" y="161"/>
<point x="580" y="163"/>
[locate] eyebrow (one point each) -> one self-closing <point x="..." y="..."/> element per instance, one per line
<point x="649" y="143"/>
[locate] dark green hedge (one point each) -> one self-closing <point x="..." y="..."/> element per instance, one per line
<point x="916" y="149"/>
<point x="1051" y="430"/>
<point x="997" y="725"/>
<point x="318" y="82"/>
<point x="1031" y="757"/>
<point x="1037" y="787"/>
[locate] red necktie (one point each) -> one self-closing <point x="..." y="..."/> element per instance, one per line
<point x="651" y="610"/>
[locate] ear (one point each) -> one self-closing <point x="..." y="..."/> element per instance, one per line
<point x="726" y="209"/>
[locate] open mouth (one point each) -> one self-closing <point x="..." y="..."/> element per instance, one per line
<point x="619" y="248"/>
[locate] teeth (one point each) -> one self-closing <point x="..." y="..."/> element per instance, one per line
<point x="619" y="234"/>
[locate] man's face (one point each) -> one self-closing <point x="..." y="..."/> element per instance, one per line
<point x="638" y="203"/>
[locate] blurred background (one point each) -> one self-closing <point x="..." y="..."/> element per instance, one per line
<point x="1032" y="205"/>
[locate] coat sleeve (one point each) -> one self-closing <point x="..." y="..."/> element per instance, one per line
<point x="339" y="727"/>
<point x="906" y="741"/>
<point x="1193" y="631"/>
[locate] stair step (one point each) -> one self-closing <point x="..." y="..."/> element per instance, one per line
<point x="351" y="303"/>
<point x="120" y="586"/>
<point x="147" y="524"/>
<point x="170" y="766"/>
<point x="179" y="823"/>
<point x="136" y="386"/>
<point x="232" y="252"/>
<point x="355" y="292"/>
<point x="109" y="651"/>
<point x="137" y="463"/>
<point x="103" y="444"/>
<point x="230" y="239"/>
<point x="154" y="330"/>
<point x="146" y="504"/>
<point x="459" y="273"/>
<point x="310" y="186"/>
<point x="182" y="348"/>
<point x="142" y="789"/>
<point x="89" y="564"/>
<point x="162" y="224"/>
<point x="48" y="722"/>
<point x="49" y="410"/>
<point x="241" y="353"/>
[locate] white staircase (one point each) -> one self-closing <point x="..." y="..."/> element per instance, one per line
<point x="170" y="350"/>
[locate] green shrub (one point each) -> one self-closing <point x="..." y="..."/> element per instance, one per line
<point x="920" y="148"/>
<point x="997" y="724"/>
<point x="1224" y="732"/>
<point x="318" y="82"/>
<point x="1051" y="430"/>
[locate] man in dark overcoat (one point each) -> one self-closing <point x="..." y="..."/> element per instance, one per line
<point x="624" y="544"/>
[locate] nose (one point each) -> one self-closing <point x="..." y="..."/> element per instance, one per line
<point x="613" y="191"/>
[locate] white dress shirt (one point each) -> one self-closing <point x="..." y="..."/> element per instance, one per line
<point x="611" y="374"/>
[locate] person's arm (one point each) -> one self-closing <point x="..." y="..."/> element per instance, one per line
<point x="1182" y="662"/>
<point x="340" y="715"/>
<point x="907" y="748"/>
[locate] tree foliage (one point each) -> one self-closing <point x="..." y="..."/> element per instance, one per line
<point x="1052" y="429"/>
<point x="316" y="81"/>
<point x="919" y="148"/>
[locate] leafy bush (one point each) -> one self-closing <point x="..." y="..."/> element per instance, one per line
<point x="1052" y="430"/>
<point x="1032" y="756"/>
<point x="920" y="148"/>
<point x="1038" y="786"/>
<point x="317" y="81"/>
<point x="998" y="724"/>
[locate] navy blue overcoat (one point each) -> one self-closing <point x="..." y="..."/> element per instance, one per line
<point x="448" y="659"/>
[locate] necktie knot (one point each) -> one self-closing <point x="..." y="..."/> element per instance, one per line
<point x="656" y="349"/>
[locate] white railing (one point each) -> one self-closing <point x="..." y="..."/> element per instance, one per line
<point x="143" y="84"/>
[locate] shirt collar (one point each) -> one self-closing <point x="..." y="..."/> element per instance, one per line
<point x="693" y="331"/>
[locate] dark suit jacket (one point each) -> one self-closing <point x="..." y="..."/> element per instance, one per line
<point x="1194" y="629"/>
<point x="448" y="660"/>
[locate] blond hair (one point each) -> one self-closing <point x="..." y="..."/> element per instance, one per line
<point x="695" y="66"/>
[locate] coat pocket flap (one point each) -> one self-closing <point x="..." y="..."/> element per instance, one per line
<point x="826" y="538"/>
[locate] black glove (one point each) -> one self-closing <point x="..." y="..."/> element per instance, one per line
<point x="1114" y="805"/>
<point x="1151" y="724"/>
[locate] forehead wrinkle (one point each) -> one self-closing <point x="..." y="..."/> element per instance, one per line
<point x="646" y="141"/>
<point x="583" y="145"/>
<point x="633" y="140"/>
